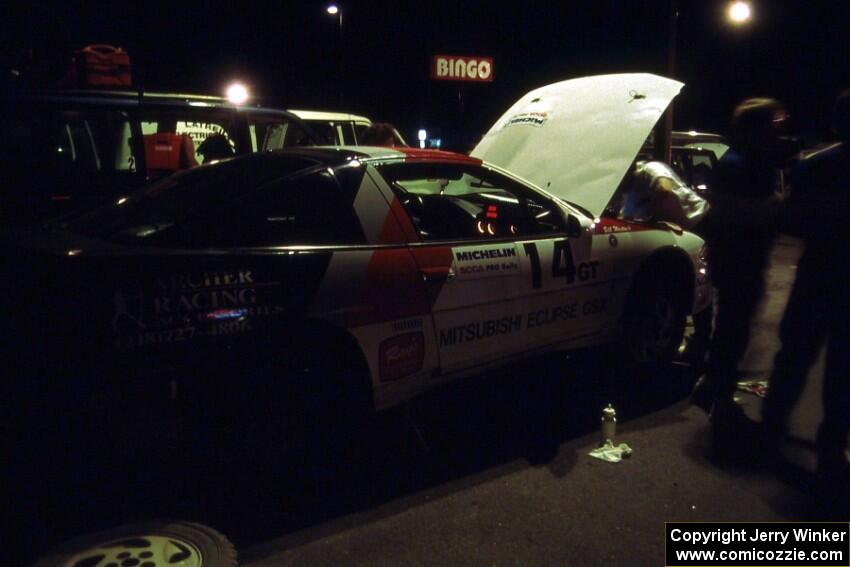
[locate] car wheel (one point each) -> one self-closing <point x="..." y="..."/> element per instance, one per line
<point x="654" y="325"/>
<point x="146" y="545"/>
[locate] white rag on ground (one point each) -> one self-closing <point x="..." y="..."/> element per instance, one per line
<point x="608" y="452"/>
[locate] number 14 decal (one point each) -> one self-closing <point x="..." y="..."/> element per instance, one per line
<point x="563" y="264"/>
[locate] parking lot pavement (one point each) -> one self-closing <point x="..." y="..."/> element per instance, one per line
<point x="573" y="510"/>
<point x="570" y="509"/>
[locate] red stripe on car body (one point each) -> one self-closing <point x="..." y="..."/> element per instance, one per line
<point x="432" y="260"/>
<point x="392" y="289"/>
<point x="398" y="227"/>
<point x="416" y="154"/>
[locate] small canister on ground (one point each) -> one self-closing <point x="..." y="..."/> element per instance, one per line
<point x="609" y="424"/>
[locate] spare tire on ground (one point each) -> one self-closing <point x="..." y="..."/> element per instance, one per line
<point x="152" y="544"/>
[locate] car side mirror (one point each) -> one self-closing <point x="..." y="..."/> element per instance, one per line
<point x="574" y="228"/>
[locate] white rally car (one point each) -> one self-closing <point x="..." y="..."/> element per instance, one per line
<point x="610" y="280"/>
<point x="374" y="272"/>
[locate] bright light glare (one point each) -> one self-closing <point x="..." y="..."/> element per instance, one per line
<point x="740" y="12"/>
<point x="422" y="135"/>
<point x="237" y="93"/>
<point x="333" y="9"/>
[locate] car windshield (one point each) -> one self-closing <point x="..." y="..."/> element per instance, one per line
<point x="174" y="199"/>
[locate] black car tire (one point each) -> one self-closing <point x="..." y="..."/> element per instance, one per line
<point x="149" y="544"/>
<point x="654" y="324"/>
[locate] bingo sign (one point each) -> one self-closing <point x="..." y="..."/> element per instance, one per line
<point x="462" y="68"/>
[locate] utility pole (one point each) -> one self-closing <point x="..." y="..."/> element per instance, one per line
<point x="664" y="131"/>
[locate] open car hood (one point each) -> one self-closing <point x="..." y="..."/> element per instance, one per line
<point x="577" y="138"/>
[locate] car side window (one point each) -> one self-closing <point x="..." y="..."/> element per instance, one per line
<point x="306" y="210"/>
<point x="76" y="153"/>
<point x="695" y="165"/>
<point x="325" y="130"/>
<point x="359" y="129"/>
<point x="52" y="140"/>
<point x="267" y="136"/>
<point x="453" y="202"/>
<point x="176" y="140"/>
<point x="296" y="136"/>
<point x="346" y="133"/>
<point x="274" y="132"/>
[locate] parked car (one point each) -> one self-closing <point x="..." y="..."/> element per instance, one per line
<point x="352" y="277"/>
<point x="693" y="155"/>
<point x="715" y="143"/>
<point x="70" y="148"/>
<point x="339" y="128"/>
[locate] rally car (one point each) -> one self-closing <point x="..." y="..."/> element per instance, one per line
<point x="355" y="274"/>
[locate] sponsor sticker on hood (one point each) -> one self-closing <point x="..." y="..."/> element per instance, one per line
<point x="577" y="138"/>
<point x="528" y="119"/>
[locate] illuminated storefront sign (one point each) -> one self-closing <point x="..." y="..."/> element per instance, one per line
<point x="462" y="68"/>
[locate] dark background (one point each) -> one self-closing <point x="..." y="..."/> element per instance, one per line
<point x="289" y="53"/>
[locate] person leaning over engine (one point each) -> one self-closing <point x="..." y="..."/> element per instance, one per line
<point x="657" y="193"/>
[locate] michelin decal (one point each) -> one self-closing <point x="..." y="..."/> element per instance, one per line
<point x="536" y="119"/>
<point x="494" y="260"/>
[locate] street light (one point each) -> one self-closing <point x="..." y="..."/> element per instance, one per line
<point x="335" y="10"/>
<point x="237" y="93"/>
<point x="740" y="12"/>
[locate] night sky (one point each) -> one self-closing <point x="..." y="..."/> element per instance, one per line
<point x="289" y="53"/>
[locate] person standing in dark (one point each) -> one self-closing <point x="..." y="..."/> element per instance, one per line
<point x="738" y="253"/>
<point x="818" y="309"/>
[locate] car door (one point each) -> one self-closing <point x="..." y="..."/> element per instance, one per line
<point x="503" y="276"/>
<point x="200" y="272"/>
